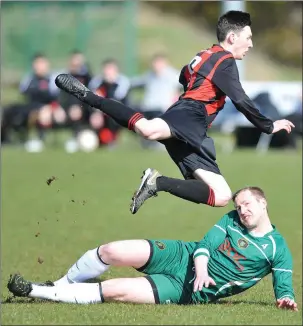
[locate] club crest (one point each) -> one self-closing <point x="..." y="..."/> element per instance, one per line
<point x="243" y="243"/>
<point x="160" y="245"/>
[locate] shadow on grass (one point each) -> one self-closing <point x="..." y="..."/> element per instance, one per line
<point x="250" y="302"/>
<point x="16" y="300"/>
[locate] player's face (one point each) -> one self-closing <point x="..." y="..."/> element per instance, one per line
<point x="110" y="72"/>
<point x="250" y="209"/>
<point x="41" y="66"/>
<point x="158" y="65"/>
<point x="76" y="62"/>
<point x="242" y="42"/>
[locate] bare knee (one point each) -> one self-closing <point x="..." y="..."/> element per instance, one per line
<point x="222" y="198"/>
<point x="154" y="129"/>
<point x="109" y="253"/>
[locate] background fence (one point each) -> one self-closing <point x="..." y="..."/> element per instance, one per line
<point x="100" y="29"/>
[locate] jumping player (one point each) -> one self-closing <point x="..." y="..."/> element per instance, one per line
<point x="207" y="80"/>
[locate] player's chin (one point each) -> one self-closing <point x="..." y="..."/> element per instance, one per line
<point x="239" y="57"/>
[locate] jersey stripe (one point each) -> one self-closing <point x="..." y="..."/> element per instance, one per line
<point x="201" y="250"/>
<point x="210" y="76"/>
<point x="282" y="270"/>
<point x="218" y="226"/>
<point x="273" y="246"/>
<point x="287" y="296"/>
<point x="229" y="284"/>
<point x="263" y="253"/>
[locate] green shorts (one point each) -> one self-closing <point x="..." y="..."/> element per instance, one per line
<point x="171" y="272"/>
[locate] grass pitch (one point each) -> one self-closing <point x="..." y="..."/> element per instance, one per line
<point x="45" y="228"/>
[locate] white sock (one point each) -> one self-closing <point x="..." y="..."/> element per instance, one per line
<point x="87" y="267"/>
<point x="71" y="293"/>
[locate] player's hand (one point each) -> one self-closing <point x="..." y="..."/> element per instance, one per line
<point x="287" y="303"/>
<point x="203" y="280"/>
<point x="282" y="124"/>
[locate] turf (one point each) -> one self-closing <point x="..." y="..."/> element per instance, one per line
<point x="45" y="228"/>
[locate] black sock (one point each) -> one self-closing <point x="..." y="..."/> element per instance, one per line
<point x="122" y="114"/>
<point x="196" y="191"/>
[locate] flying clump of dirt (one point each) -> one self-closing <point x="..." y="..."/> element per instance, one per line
<point x="50" y="180"/>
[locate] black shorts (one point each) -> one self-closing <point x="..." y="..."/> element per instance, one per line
<point x="190" y="147"/>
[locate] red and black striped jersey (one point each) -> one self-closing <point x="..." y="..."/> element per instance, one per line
<point x="211" y="76"/>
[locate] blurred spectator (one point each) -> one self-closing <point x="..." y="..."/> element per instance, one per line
<point x="161" y="89"/>
<point x="77" y="113"/>
<point x="110" y="84"/>
<point x="41" y="105"/>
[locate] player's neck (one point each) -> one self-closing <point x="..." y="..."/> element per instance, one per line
<point x="263" y="228"/>
<point x="227" y="47"/>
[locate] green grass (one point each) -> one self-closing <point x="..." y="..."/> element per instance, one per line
<point x="88" y="205"/>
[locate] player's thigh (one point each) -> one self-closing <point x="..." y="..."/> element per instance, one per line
<point x="155" y="129"/>
<point x="166" y="256"/>
<point x="133" y="253"/>
<point x="135" y="290"/>
<point x="216" y="181"/>
<point x="169" y="289"/>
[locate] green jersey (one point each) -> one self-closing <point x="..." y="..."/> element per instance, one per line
<point x="239" y="260"/>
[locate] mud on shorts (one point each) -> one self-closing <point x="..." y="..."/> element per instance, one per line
<point x="190" y="147"/>
<point x="170" y="271"/>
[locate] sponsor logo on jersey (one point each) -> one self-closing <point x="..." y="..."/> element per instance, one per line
<point x="242" y="243"/>
<point x="160" y="245"/>
<point x="264" y="246"/>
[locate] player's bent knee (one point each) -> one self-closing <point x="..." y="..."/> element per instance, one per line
<point x="222" y="199"/>
<point x="108" y="253"/>
<point x="154" y="129"/>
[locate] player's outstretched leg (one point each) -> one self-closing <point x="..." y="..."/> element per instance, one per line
<point x="135" y="290"/>
<point x="95" y="262"/>
<point x="147" y="189"/>
<point x="70" y="293"/>
<point x="209" y="188"/>
<point x="125" y="116"/>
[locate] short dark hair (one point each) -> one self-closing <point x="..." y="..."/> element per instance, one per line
<point x="159" y="55"/>
<point x="38" y="55"/>
<point x="75" y="52"/>
<point x="110" y="61"/>
<point x="232" y="21"/>
<point x="256" y="191"/>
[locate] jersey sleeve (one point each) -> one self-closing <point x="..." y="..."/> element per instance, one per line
<point x="123" y="88"/>
<point x="183" y="78"/>
<point x="213" y="238"/>
<point x="25" y="83"/>
<point x="282" y="269"/>
<point x="226" y="78"/>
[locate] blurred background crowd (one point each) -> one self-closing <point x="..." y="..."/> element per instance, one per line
<point x="132" y="52"/>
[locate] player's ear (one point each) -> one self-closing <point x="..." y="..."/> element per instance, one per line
<point x="231" y="37"/>
<point x="264" y="203"/>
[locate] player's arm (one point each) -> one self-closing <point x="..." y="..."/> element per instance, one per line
<point x="123" y="88"/>
<point x="184" y="77"/>
<point x="25" y="86"/>
<point x="139" y="81"/>
<point x="211" y="241"/>
<point x="94" y="83"/>
<point x="282" y="269"/>
<point x="226" y="77"/>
